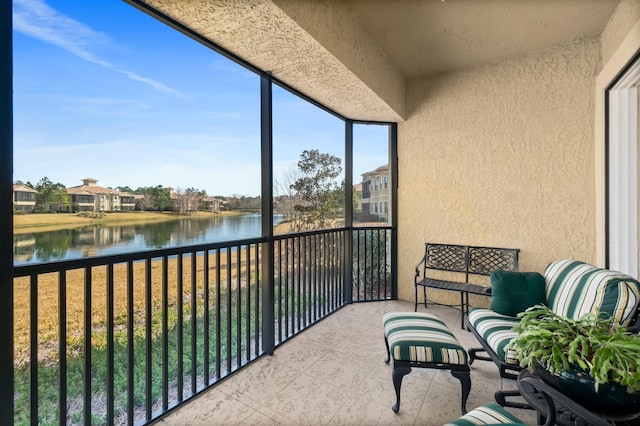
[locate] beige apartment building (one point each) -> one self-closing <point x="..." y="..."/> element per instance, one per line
<point x="376" y="192"/>
<point x="91" y="197"/>
<point x="24" y="198"/>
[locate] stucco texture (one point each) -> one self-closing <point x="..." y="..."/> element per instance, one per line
<point x="262" y="33"/>
<point x="626" y="15"/>
<point x="506" y="158"/>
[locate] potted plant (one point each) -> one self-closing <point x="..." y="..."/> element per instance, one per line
<point x="591" y="360"/>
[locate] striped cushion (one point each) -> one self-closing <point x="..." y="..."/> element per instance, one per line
<point x="496" y="330"/>
<point x="421" y="337"/>
<point x="490" y="414"/>
<point x="576" y="288"/>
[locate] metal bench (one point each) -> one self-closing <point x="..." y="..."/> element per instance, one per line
<point x="464" y="261"/>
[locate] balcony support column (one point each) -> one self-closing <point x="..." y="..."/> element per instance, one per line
<point x="6" y="215"/>
<point x="348" y="212"/>
<point x="393" y="220"/>
<point x="266" y="281"/>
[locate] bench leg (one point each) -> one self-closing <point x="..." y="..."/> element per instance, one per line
<point x="398" y="374"/>
<point x="465" y="381"/>
<point x="462" y="308"/>
<point x="424" y="296"/>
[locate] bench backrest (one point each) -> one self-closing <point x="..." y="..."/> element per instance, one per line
<point x="575" y="288"/>
<point x="470" y="259"/>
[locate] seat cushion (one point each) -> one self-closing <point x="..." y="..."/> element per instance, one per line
<point x="574" y="289"/>
<point x="421" y="337"/>
<point x="496" y="331"/>
<point x="490" y="414"/>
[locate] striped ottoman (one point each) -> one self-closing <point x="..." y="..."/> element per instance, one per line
<point x="416" y="339"/>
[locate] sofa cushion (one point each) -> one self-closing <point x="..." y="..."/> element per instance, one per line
<point x="496" y="330"/>
<point x="514" y="292"/>
<point x="575" y="288"/>
<point x="489" y="414"/>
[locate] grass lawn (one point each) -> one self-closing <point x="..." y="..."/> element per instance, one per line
<point x="48" y="327"/>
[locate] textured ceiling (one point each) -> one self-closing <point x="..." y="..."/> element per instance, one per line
<point x="356" y="56"/>
<point x="423" y="37"/>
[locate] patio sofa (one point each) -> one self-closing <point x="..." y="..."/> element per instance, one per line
<point x="569" y="288"/>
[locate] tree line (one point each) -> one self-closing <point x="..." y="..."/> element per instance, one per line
<point x="53" y="197"/>
<point x="309" y="195"/>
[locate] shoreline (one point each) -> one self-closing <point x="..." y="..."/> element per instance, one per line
<point x="45" y="222"/>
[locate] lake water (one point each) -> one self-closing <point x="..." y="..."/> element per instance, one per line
<point x="101" y="240"/>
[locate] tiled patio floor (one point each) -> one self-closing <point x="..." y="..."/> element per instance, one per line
<point x="333" y="373"/>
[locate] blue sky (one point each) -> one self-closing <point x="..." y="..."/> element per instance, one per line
<point x="102" y="90"/>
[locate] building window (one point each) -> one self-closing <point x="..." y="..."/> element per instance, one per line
<point x="25" y="196"/>
<point x="386" y="182"/>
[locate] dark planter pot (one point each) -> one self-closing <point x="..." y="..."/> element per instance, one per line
<point x="611" y="398"/>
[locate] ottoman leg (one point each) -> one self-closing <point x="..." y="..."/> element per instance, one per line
<point x="398" y="373"/>
<point x="388" y="358"/>
<point x="465" y="381"/>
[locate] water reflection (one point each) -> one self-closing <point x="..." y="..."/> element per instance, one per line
<point x="97" y="240"/>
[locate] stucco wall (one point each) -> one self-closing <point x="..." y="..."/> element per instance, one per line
<point x="501" y="155"/>
<point x="626" y="15"/>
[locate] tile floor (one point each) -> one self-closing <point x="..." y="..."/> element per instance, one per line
<point x="333" y="373"/>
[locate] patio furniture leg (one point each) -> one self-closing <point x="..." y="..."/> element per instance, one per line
<point x="463" y="308"/>
<point x="386" y="342"/>
<point x="398" y="373"/>
<point x="473" y="355"/>
<point x="423" y="340"/>
<point x="502" y="395"/>
<point x="424" y="295"/>
<point x="465" y="381"/>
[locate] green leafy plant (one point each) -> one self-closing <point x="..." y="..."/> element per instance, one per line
<point x="593" y="343"/>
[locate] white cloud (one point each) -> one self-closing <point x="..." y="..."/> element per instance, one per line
<point x="36" y="19"/>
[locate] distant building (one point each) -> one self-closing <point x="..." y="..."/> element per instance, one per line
<point x="190" y="202"/>
<point x="357" y="198"/>
<point x="24" y="198"/>
<point x="376" y="193"/>
<point x="212" y="204"/>
<point x="91" y="197"/>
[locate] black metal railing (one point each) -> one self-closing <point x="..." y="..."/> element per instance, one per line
<point x="308" y="279"/>
<point x="372" y="264"/>
<point x="123" y="339"/>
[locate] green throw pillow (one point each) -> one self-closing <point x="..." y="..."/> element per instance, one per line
<point x="514" y="292"/>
